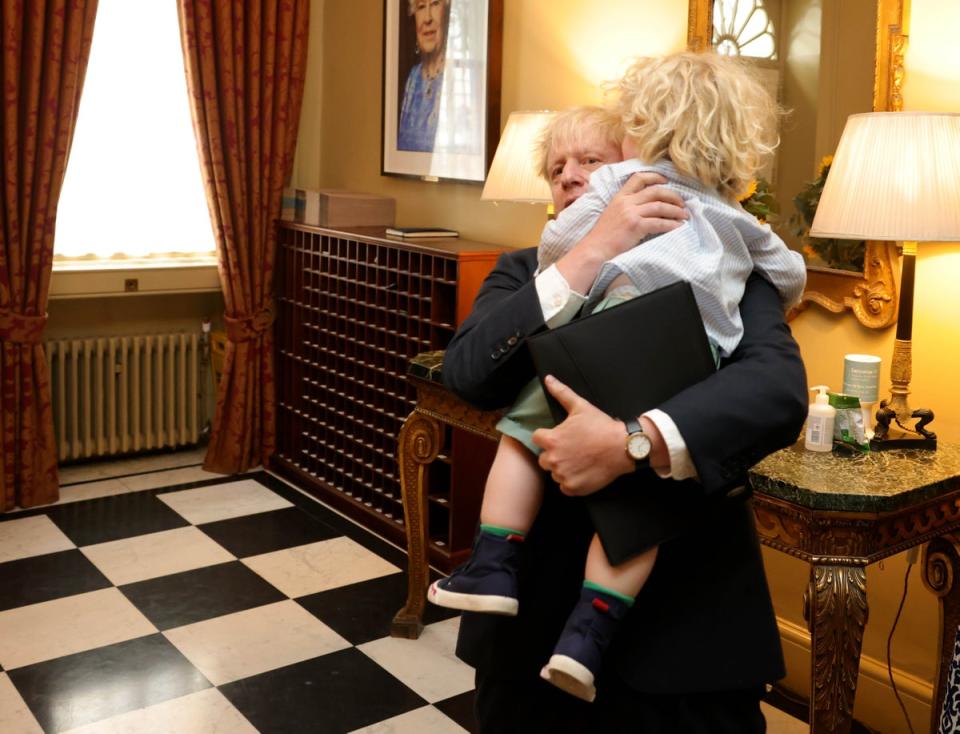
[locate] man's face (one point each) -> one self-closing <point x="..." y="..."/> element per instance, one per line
<point x="571" y="162"/>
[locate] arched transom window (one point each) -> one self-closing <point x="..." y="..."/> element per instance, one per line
<point x="743" y="28"/>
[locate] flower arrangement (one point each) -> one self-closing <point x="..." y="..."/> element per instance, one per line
<point x="841" y="254"/>
<point x="759" y="201"/>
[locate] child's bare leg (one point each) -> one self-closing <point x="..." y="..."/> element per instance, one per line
<point x="626" y="579"/>
<point x="511" y="500"/>
<point x="514" y="490"/>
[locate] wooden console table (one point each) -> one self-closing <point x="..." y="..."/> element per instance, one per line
<point x="837" y="513"/>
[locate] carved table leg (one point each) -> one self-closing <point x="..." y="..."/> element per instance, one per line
<point x="941" y="563"/>
<point x="836" y="612"/>
<point x="418" y="445"/>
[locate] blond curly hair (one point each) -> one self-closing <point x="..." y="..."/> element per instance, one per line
<point x="708" y="114"/>
<point x="572" y="126"/>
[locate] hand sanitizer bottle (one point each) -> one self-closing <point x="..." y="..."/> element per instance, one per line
<point x="819" y="436"/>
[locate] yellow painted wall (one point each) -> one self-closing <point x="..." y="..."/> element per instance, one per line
<point x="556" y="52"/>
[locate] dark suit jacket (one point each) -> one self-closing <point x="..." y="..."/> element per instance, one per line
<point x="703" y="621"/>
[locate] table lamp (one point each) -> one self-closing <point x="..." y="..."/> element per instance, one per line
<point x="513" y="174"/>
<point x="896" y="176"/>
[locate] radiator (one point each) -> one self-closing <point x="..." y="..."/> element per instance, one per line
<point x="121" y="394"/>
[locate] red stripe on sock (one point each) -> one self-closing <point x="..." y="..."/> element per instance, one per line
<point x="514" y="536"/>
<point x="601" y="605"/>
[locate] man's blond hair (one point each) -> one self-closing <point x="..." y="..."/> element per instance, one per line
<point x="571" y="126"/>
<point x="707" y="113"/>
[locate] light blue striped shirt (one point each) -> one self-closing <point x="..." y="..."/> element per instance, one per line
<point x="715" y="250"/>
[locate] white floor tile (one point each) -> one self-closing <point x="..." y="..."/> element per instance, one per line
<point x="254" y="641"/>
<point x="92" y="490"/>
<point x="203" y="712"/>
<point x="15" y="717"/>
<point x="223" y="501"/>
<point x="428" y="665"/>
<point x="426" y="720"/>
<point x="72" y="473"/>
<point x="779" y="722"/>
<point x="155" y="554"/>
<point x="31" y="536"/>
<point x="64" y="626"/>
<point x="327" y="564"/>
<point x="168" y="478"/>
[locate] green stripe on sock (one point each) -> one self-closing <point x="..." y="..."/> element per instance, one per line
<point x="502" y="532"/>
<point x="628" y="600"/>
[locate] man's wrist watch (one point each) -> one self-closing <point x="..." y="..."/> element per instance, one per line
<point x="638" y="443"/>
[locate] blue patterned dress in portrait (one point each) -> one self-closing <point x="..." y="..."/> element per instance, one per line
<point x="419" y="111"/>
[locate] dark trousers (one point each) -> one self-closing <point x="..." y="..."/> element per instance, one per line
<point x="506" y="706"/>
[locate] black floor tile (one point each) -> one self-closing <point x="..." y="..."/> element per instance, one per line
<point x="112" y="518"/>
<point x="338" y="692"/>
<point x="362" y="612"/>
<point x="312" y="507"/>
<point x="460" y="709"/>
<point x="264" y="532"/>
<point x="89" y="686"/>
<point x="50" y="576"/>
<point x="204" y="593"/>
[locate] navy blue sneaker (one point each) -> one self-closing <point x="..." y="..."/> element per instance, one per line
<point x="485" y="583"/>
<point x="578" y="654"/>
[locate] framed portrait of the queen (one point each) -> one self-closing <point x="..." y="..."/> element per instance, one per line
<point x="441" y="87"/>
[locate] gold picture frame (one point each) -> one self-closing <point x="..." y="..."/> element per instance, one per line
<point x="873" y="294"/>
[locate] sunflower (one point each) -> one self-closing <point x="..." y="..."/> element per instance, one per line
<point x="750" y="191"/>
<point x="842" y="254"/>
<point x="759" y="201"/>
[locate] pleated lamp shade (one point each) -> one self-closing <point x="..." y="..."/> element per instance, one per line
<point x="513" y="175"/>
<point x="895" y="176"/>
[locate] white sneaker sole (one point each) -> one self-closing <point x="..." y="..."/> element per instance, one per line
<point x="490" y="604"/>
<point x="569" y="675"/>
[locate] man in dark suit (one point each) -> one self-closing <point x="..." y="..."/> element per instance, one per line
<point x="701" y="640"/>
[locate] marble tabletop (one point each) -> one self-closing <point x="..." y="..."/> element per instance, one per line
<point x="879" y="481"/>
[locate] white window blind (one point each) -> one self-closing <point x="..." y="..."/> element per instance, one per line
<point x="133" y="186"/>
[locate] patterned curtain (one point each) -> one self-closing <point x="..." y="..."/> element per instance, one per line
<point x="46" y="45"/>
<point x="245" y="65"/>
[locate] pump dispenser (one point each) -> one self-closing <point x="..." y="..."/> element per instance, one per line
<point x="819" y="436"/>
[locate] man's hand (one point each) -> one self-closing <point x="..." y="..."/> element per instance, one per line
<point x="641" y="208"/>
<point x="588" y="450"/>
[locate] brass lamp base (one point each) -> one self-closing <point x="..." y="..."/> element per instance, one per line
<point x="890" y="433"/>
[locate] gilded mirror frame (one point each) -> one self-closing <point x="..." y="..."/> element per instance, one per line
<point x="872" y="295"/>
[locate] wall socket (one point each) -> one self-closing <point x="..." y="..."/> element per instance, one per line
<point x="131" y="285"/>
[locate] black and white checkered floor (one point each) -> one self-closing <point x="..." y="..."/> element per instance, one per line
<point x="237" y="605"/>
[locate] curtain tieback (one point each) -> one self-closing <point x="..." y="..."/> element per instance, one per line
<point x="18" y="328"/>
<point x="248" y="328"/>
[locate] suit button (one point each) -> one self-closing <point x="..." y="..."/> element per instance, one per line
<point x="736" y="491"/>
<point x="496" y="354"/>
<point x="512" y="341"/>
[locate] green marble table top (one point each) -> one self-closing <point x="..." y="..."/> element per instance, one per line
<point x="880" y="481"/>
<point x="427" y="365"/>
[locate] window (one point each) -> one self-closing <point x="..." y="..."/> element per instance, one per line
<point x="743" y="28"/>
<point x="133" y="187"/>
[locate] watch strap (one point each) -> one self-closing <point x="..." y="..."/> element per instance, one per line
<point x="632" y="424"/>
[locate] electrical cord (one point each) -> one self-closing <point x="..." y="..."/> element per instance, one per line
<point x="903" y="599"/>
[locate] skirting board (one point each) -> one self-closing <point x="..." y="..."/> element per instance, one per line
<point x="875" y="705"/>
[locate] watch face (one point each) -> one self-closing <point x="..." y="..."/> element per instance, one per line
<point x="638" y="446"/>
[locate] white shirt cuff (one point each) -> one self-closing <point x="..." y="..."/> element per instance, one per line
<point x="681" y="465"/>
<point x="558" y="301"/>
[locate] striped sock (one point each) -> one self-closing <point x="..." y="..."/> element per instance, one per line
<point x="628" y="600"/>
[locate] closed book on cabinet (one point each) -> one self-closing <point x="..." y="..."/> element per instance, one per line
<point x="627" y="360"/>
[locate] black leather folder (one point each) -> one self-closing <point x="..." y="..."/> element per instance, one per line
<point x="626" y="360"/>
